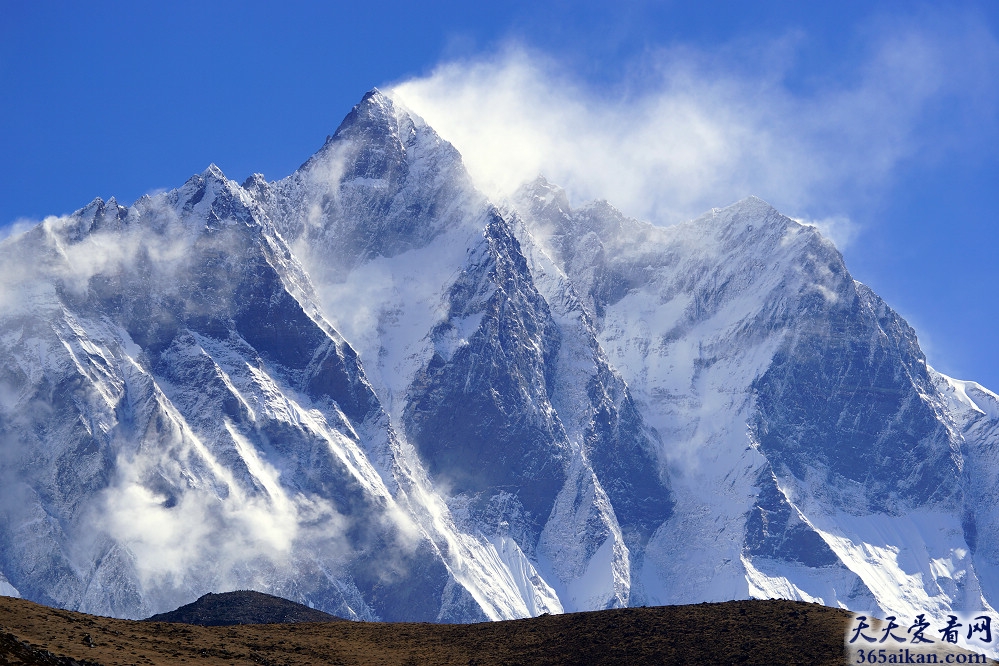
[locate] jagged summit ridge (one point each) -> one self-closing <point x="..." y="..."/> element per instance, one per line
<point x="367" y="388"/>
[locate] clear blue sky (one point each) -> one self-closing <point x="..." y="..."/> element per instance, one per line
<point x="120" y="99"/>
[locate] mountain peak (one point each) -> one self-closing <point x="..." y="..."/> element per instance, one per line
<point x="214" y="173"/>
<point x="203" y="191"/>
<point x="374" y="94"/>
<point x="751" y="205"/>
<point x="748" y="215"/>
<point x="242" y="607"/>
<point x="95" y="205"/>
<point x="541" y="194"/>
<point x="374" y="122"/>
<point x="375" y="111"/>
<point x="381" y="138"/>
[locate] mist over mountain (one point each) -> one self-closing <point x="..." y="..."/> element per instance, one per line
<point x="369" y="389"/>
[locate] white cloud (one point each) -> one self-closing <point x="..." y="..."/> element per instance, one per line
<point x="16" y="228"/>
<point x="203" y="536"/>
<point x="690" y="130"/>
<point x="30" y="271"/>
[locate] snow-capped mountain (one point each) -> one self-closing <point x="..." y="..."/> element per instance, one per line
<point x="367" y="388"/>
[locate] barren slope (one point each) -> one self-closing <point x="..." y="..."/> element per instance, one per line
<point x="746" y="632"/>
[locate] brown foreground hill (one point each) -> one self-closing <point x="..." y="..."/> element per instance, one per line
<point x="768" y="633"/>
<point x="242" y="607"/>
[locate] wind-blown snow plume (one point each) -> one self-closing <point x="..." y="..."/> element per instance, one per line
<point x="688" y="129"/>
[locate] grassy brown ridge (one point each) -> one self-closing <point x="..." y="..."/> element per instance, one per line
<point x="771" y="633"/>
<point x="242" y="607"/>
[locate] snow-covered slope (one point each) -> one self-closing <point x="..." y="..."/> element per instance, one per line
<point x="367" y="388"/>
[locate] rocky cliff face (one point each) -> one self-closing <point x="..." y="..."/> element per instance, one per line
<point x="366" y="388"/>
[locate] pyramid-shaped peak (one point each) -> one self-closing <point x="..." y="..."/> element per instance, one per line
<point x="376" y="96"/>
<point x="375" y="101"/>
<point x="376" y="111"/>
<point x="204" y="188"/>
<point x="213" y="172"/>
<point x="95" y="205"/>
<point x="540" y="183"/>
<point x="377" y="135"/>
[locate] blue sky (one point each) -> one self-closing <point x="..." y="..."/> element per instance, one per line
<point x="879" y="121"/>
